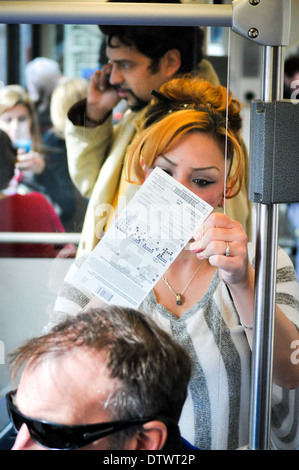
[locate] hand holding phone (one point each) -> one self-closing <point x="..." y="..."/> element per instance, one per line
<point x="30" y="161"/>
<point x="102" y="97"/>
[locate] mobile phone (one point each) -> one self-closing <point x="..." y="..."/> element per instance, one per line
<point x="23" y="144"/>
<point x="108" y="80"/>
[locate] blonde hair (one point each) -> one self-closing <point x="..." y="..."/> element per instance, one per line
<point x="188" y="105"/>
<point x="66" y="93"/>
<point x="11" y="96"/>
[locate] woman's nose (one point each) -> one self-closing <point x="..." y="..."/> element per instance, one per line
<point x="13" y="129"/>
<point x="183" y="180"/>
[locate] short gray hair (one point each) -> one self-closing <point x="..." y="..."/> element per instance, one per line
<point x="153" y="370"/>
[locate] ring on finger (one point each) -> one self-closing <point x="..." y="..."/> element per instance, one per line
<point x="227" y="251"/>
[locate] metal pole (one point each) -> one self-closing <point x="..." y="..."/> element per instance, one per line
<point x="40" y="237"/>
<point x="99" y="12"/>
<point x="265" y="284"/>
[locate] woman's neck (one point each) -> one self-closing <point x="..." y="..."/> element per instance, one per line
<point x="186" y="259"/>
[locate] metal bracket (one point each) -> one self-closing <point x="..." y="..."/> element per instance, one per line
<point x="265" y="22"/>
<point x="274" y="162"/>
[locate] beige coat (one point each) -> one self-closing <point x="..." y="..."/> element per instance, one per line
<point x="95" y="159"/>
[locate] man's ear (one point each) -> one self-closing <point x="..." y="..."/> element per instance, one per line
<point x="172" y="62"/>
<point x="152" y="437"/>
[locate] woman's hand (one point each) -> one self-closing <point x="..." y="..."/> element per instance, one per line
<point x="224" y="242"/>
<point x="31" y="161"/>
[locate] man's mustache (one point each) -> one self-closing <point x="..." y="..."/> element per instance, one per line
<point x="120" y="88"/>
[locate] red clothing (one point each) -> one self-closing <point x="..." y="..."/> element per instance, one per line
<point x="28" y="213"/>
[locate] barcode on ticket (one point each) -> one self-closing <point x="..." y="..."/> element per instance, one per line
<point x="106" y="295"/>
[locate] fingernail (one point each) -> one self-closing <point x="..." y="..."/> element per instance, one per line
<point x="195" y="247"/>
<point x="198" y="235"/>
<point x="202" y="255"/>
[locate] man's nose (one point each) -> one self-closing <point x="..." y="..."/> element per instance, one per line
<point x="116" y="77"/>
<point x="24" y="441"/>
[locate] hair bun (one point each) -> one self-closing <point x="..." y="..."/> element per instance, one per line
<point x="194" y="92"/>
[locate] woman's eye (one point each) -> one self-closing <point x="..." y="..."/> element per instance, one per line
<point x="169" y="172"/>
<point x="202" y="182"/>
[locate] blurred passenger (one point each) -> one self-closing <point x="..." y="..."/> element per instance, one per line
<point x="24" y="213"/>
<point x="294" y="220"/>
<point x="291" y="78"/>
<point x="42" y="76"/>
<point x="67" y="92"/>
<point x="291" y="91"/>
<point x="109" y="379"/>
<point x="35" y="172"/>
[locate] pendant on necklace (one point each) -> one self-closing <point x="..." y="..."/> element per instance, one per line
<point x="178" y="298"/>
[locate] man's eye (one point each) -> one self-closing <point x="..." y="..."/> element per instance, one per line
<point x="125" y="66"/>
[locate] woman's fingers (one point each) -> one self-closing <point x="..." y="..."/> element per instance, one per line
<point x="223" y="241"/>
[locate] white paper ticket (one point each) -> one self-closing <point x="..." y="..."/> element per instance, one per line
<point x="142" y="243"/>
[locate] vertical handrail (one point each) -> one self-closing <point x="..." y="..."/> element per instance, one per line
<point x="265" y="284"/>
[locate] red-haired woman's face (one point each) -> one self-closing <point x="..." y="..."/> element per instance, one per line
<point x="16" y="122"/>
<point x="198" y="163"/>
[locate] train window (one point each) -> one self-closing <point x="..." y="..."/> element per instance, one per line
<point x="37" y="193"/>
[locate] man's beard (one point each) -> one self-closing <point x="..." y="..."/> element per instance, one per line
<point x="138" y="104"/>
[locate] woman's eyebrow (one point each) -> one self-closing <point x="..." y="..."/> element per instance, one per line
<point x="207" y="168"/>
<point x="165" y="158"/>
<point x="193" y="169"/>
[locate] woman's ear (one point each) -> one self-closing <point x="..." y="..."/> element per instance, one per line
<point x="152" y="437"/>
<point x="221" y="201"/>
<point x="142" y="163"/>
<point x="228" y="193"/>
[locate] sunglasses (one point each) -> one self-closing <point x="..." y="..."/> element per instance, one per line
<point x="65" y="437"/>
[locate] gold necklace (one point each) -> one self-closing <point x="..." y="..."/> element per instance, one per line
<point x="179" y="297"/>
